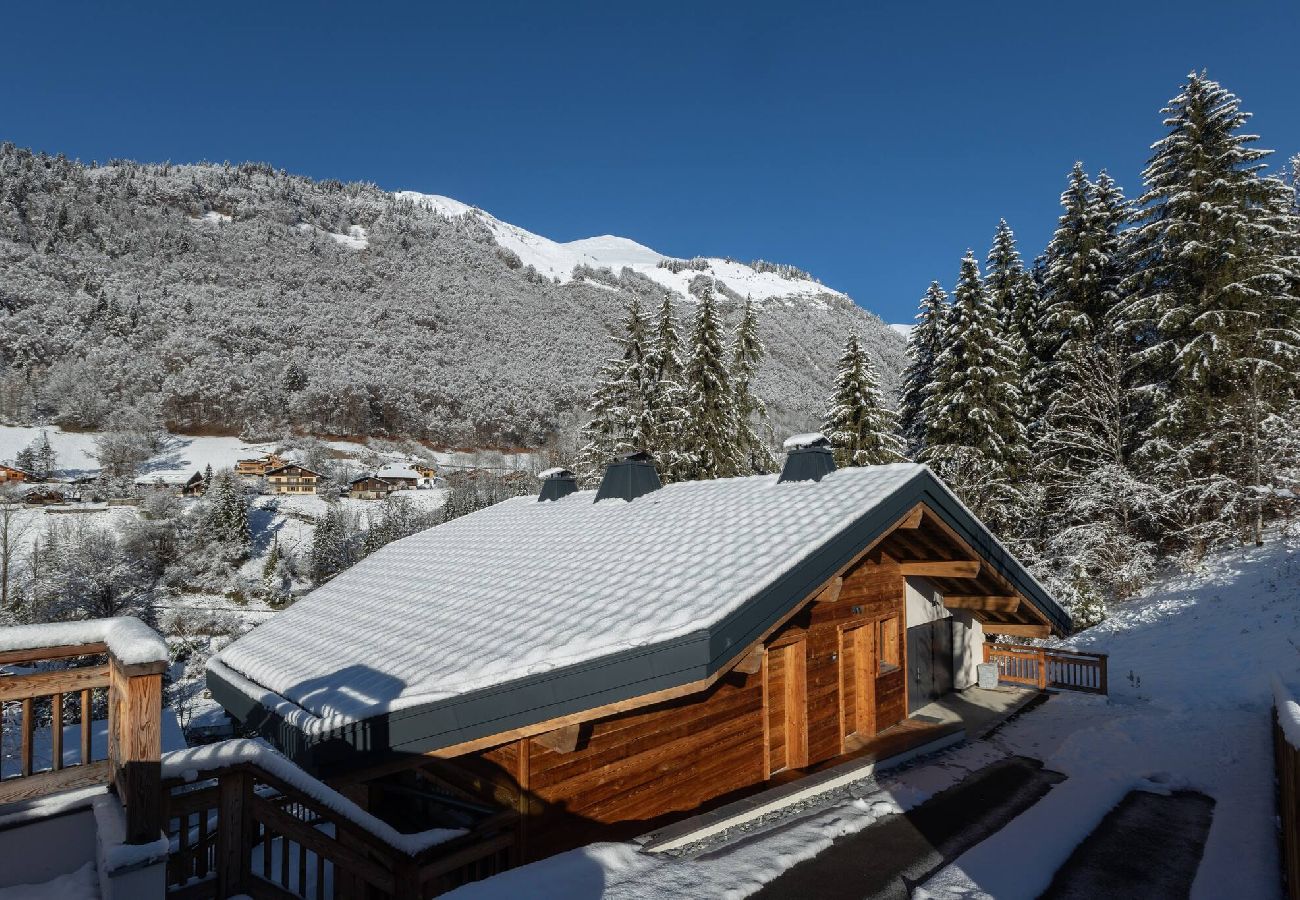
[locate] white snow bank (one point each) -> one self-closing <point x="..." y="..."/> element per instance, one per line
<point x="128" y="639"/>
<point x="194" y="763"/>
<point x="82" y="884"/>
<point x="115" y="854"/>
<point x="1288" y="712"/>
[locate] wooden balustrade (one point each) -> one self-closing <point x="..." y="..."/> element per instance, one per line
<point x="1045" y="667"/>
<point x="128" y="695"/>
<point x="32" y="699"/>
<point x="244" y="830"/>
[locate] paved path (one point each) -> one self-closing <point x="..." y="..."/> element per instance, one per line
<point x="1147" y="848"/>
<point x="887" y="859"/>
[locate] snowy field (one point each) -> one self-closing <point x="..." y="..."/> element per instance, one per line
<point x="1190" y="668"/>
<point x="186" y="454"/>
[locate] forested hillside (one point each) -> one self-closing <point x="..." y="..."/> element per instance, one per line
<point x="238" y="298"/>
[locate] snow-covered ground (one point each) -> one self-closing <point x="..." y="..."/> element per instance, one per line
<point x="558" y="260"/>
<point x="1191" y="662"/>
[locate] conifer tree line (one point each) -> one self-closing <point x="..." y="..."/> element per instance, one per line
<point x="686" y="400"/>
<point x="1133" y="395"/>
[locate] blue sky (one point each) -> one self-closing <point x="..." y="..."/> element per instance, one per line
<point x="869" y="144"/>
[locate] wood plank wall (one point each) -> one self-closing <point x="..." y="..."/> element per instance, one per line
<point x="676" y="756"/>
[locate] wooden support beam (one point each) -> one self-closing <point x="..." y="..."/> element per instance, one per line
<point x="561" y="740"/>
<point x="831" y="592"/>
<point x="1017" y="630"/>
<point x="982" y="602"/>
<point x="913" y="518"/>
<point x="751" y="663"/>
<point x="946" y="568"/>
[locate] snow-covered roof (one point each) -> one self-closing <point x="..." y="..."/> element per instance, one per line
<point x="553" y="591"/>
<point x="394" y="470"/>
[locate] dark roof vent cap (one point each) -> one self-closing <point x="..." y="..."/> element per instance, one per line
<point x="632" y="475"/>
<point x="808" y="457"/>
<point x="556" y="483"/>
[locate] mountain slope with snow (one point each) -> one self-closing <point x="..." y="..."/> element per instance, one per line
<point x="242" y="299"/>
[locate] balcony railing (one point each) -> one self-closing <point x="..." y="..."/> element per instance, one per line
<point x="1044" y="667"/>
<point x="50" y="674"/>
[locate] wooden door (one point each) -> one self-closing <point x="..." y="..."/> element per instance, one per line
<point x="785" y="693"/>
<point x="858" y="681"/>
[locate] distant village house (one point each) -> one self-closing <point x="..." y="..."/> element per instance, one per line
<point x="13" y="474"/>
<point x="258" y="468"/>
<point x="293" y="479"/>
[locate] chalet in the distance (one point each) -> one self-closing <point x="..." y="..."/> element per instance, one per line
<point x="609" y="660"/>
<point x="292" y="479"/>
<point x="259" y="467"/>
<point x="13" y="474"/>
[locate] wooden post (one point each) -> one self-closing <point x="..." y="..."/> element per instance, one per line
<point x="234" y="831"/>
<point x="56" y="732"/>
<point x="1042" y="669"/>
<point x="1104" y="688"/>
<point x="135" y="693"/>
<point x="26" y="726"/>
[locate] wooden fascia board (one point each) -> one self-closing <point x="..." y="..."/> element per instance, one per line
<point x="945" y="568"/>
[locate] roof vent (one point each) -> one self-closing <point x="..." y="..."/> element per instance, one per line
<point x="629" y="477"/>
<point x="808" y="457"/>
<point x="557" y="483"/>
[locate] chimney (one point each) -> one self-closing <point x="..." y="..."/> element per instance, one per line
<point x="557" y="483"/>
<point x="808" y="457"/>
<point x="629" y="477"/>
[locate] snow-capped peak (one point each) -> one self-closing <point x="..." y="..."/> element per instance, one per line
<point x="558" y="260"/>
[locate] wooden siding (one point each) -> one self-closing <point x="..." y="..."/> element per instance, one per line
<point x="808" y="696"/>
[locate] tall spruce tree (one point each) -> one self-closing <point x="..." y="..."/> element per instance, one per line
<point x="712" y="425"/>
<point x="862" y="430"/>
<point x="923" y="347"/>
<point x="975" y="436"/>
<point x="621" y="409"/>
<point x="751" y="413"/>
<point x="666" y="402"/>
<point x="1212" y="306"/>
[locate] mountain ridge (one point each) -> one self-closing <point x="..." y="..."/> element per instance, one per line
<point x="241" y="297"/>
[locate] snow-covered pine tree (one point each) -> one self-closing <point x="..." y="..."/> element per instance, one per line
<point x="751" y="413"/>
<point x="974" y="431"/>
<point x="712" y="426"/>
<point x="863" y="431"/>
<point x="667" y="394"/>
<point x="1082" y="268"/>
<point x="1212" y="304"/>
<point x="227" y="510"/>
<point x="1007" y="287"/>
<point x="46" y="459"/>
<point x="1099" y="512"/>
<point x="330" y="546"/>
<point x="923" y="347"/>
<point x="621" y="412"/>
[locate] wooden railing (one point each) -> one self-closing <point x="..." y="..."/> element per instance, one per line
<point x="1286" y="766"/>
<point x="245" y="830"/>
<point x="1044" y="668"/>
<point x="36" y="697"/>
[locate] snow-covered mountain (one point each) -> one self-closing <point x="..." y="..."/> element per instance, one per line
<point x="560" y="261"/>
<point x="242" y="299"/>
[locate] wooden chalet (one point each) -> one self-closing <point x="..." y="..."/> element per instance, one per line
<point x="292" y="479"/>
<point x="194" y="486"/>
<point x="370" y="487"/>
<point x="259" y="467"/>
<point x="13" y="475"/>
<point x="403" y="478"/>
<point x="604" y="664"/>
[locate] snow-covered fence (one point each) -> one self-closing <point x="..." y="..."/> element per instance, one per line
<point x="119" y="663"/>
<point x="1045" y="667"/>
<point x="241" y="818"/>
<point x="1286" y="761"/>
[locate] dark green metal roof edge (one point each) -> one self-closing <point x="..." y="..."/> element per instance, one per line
<point x="628" y="673"/>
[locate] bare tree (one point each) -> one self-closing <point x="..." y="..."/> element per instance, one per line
<point x="14" y="526"/>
